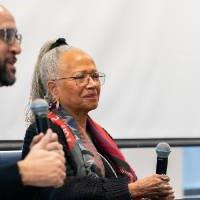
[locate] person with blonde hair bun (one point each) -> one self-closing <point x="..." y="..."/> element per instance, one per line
<point x="69" y="80"/>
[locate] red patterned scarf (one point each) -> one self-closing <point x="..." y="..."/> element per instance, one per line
<point x="102" y="141"/>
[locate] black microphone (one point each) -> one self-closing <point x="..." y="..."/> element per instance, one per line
<point x="163" y="151"/>
<point x="40" y="109"/>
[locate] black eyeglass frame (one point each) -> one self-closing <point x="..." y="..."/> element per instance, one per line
<point x="10" y="35"/>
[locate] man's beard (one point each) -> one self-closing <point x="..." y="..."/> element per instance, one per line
<point x="5" y="78"/>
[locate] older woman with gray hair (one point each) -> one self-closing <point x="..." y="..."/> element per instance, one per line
<point x="68" y="79"/>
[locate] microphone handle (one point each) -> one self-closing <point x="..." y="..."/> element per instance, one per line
<point x="42" y="123"/>
<point x="161" y="167"/>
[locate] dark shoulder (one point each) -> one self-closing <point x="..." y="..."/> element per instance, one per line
<point x="31" y="132"/>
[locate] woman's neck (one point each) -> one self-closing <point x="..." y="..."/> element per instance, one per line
<point x="81" y="121"/>
<point x="80" y="118"/>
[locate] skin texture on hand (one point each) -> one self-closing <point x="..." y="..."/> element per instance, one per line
<point x="153" y="187"/>
<point x="45" y="164"/>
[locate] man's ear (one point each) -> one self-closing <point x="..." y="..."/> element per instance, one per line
<point x="52" y="88"/>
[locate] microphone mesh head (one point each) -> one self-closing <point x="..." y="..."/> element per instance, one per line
<point x="163" y="150"/>
<point x="39" y="106"/>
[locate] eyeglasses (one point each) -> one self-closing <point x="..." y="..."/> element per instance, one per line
<point x="82" y="79"/>
<point x="10" y="35"/>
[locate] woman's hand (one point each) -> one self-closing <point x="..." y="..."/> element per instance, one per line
<point x="154" y="187"/>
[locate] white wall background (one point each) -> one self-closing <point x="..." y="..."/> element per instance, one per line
<point x="149" y="50"/>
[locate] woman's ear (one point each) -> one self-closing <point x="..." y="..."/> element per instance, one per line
<point x="52" y="88"/>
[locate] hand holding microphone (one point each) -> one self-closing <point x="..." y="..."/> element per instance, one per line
<point x="45" y="163"/>
<point x="42" y="167"/>
<point x="157" y="186"/>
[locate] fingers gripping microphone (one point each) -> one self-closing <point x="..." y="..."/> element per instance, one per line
<point x="163" y="151"/>
<point x="40" y="109"/>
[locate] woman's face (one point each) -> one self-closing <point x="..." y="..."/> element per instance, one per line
<point x="79" y="94"/>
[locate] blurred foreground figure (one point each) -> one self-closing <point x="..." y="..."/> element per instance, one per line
<point x="39" y="168"/>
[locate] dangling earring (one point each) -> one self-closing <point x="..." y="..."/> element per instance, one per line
<point x="57" y="104"/>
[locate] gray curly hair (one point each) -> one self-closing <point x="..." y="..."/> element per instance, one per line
<point x="45" y="70"/>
